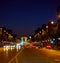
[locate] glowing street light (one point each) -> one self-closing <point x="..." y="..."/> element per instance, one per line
<point x="30" y="37"/>
<point x="52" y="22"/>
<point x="46" y="26"/>
<point x="59" y="16"/>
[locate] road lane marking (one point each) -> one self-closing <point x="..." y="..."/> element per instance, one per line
<point x="15" y="57"/>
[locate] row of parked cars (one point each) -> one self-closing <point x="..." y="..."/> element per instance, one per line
<point x="39" y="45"/>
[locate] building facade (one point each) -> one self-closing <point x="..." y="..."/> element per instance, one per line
<point x="58" y="16"/>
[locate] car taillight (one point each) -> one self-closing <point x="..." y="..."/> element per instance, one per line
<point x="48" y="46"/>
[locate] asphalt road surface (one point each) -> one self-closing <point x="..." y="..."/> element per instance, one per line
<point x="37" y="55"/>
<point x="29" y="55"/>
<point x="7" y="53"/>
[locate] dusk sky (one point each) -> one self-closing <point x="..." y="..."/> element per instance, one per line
<point x="25" y="16"/>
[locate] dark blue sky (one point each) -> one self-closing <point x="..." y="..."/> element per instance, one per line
<point x="24" y="16"/>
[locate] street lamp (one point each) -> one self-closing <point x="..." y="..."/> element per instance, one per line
<point x="59" y="16"/>
<point x="30" y="37"/>
<point x="52" y="22"/>
<point x="46" y="26"/>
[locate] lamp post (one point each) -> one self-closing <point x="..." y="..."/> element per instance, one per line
<point x="47" y="28"/>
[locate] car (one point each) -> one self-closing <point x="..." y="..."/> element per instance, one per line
<point x="49" y="47"/>
<point x="37" y="45"/>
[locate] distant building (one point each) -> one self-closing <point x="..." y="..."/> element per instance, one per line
<point x="24" y="38"/>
